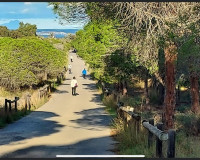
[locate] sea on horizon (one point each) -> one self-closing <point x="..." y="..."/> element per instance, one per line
<point x="58" y="33"/>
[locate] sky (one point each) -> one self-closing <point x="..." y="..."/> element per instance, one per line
<point x="39" y="13"/>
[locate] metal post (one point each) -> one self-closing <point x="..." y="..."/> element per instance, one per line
<point x="171" y="144"/>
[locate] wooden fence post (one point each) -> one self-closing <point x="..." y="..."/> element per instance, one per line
<point x="171" y="144"/>
<point x="16" y="98"/>
<point x="25" y="103"/>
<point x="159" y="142"/>
<point x="29" y="102"/>
<point x="10" y="107"/>
<point x="150" y="135"/>
<point x="6" y="105"/>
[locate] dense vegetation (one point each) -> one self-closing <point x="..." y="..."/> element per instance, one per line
<point x="28" y="61"/>
<point x="24" y="30"/>
<point x="153" y="43"/>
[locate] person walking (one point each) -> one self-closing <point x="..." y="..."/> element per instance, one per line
<point x="74" y="85"/>
<point x="70" y="68"/>
<point x="84" y="72"/>
<point x="71" y="57"/>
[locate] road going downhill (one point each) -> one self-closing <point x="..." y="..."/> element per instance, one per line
<point x="66" y="125"/>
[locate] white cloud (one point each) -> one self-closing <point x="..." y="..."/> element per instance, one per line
<point x="46" y="23"/>
<point x="51" y="24"/>
<point x="2" y="21"/>
<point x="27" y="3"/>
<point x="25" y="10"/>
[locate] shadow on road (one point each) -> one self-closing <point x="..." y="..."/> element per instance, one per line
<point x="93" y="118"/>
<point x="90" y="86"/>
<point x="61" y="91"/>
<point x="94" y="146"/>
<point x="33" y="125"/>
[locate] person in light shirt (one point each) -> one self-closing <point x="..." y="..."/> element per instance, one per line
<point x="71" y="57"/>
<point x="74" y="85"/>
<point x="70" y="68"/>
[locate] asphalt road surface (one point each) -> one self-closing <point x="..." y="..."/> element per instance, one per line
<point x="66" y="125"/>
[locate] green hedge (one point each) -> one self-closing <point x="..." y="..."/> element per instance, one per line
<point x="23" y="61"/>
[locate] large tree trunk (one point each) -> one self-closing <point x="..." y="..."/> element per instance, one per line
<point x="170" y="97"/>
<point x="194" y="89"/>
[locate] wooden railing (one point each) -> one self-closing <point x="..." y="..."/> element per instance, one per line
<point x="135" y="122"/>
<point x="9" y="103"/>
<point x="28" y="101"/>
<point x="44" y="90"/>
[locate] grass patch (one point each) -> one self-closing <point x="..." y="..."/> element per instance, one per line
<point x="11" y="117"/>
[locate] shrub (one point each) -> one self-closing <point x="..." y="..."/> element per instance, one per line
<point x="154" y="97"/>
<point x="27" y="61"/>
<point x="188" y="123"/>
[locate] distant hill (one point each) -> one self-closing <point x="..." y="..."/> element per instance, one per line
<point x="12" y="24"/>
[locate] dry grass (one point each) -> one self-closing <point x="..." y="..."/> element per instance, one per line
<point x="9" y="117"/>
<point x="186" y="146"/>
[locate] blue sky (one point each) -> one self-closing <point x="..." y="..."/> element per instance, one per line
<point x="38" y="13"/>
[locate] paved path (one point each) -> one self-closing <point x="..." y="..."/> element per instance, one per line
<point x="67" y="125"/>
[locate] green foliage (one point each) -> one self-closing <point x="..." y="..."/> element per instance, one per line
<point x="24" y="30"/>
<point x="188" y="123"/>
<point x="26" y="61"/>
<point x="182" y="108"/>
<point x="154" y="96"/>
<point x="189" y="55"/>
<point x="96" y="41"/>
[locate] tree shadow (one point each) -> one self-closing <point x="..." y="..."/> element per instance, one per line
<point x="64" y="84"/>
<point x="97" y="99"/>
<point x="90" y="86"/>
<point x="33" y="125"/>
<point x="93" y="118"/>
<point x="93" y="146"/>
<point x="60" y="91"/>
<point x="86" y="76"/>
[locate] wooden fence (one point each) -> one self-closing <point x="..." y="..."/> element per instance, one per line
<point x="9" y="103"/>
<point x="135" y="122"/>
<point x="42" y="92"/>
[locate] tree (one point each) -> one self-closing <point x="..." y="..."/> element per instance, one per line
<point x="27" y="29"/>
<point x="155" y="20"/>
<point x="146" y="24"/>
<point x="189" y="64"/>
<point x="4" y="32"/>
<point x="25" y="61"/>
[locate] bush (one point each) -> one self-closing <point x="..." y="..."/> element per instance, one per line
<point x="28" y="61"/>
<point x="109" y="101"/>
<point x="154" y="97"/>
<point x="135" y="101"/>
<point x="182" y="108"/>
<point x="188" y="123"/>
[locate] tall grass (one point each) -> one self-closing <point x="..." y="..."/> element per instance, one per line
<point x="187" y="145"/>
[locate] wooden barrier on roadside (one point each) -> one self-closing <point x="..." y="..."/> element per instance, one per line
<point x="27" y="101"/>
<point x="44" y="91"/>
<point x="134" y="122"/>
<point x="9" y="103"/>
